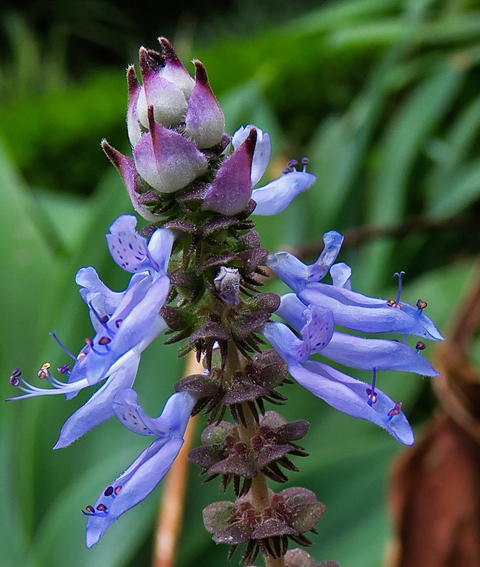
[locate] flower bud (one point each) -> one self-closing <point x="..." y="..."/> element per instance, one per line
<point x="166" y="86"/>
<point x="299" y="558"/>
<point x="167" y="160"/>
<point x="227" y="285"/>
<point x="218" y="515"/>
<point x="204" y="122"/>
<point x="231" y="189"/>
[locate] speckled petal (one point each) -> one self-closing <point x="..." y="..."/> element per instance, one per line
<point x="127" y="247"/>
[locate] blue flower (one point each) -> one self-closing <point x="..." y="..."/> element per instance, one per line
<point x="138" y="481"/>
<point x="274" y="197"/>
<point x="125" y="324"/>
<point x="316" y="308"/>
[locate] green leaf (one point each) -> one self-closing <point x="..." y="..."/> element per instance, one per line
<point x="398" y="150"/>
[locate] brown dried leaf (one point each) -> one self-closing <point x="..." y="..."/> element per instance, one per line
<point x="435" y="500"/>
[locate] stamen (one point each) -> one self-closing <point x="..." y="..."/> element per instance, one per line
<point x="118" y="322"/>
<point x="394" y="411"/>
<point x="103" y="319"/>
<point x="421" y="306"/>
<point x="90" y="343"/>
<point x="286" y="170"/>
<point x="14" y="378"/>
<point x="64" y="369"/>
<point x="81" y="355"/>
<point x="113" y="492"/>
<point x="62" y="346"/>
<point x="44" y="372"/>
<point x="100" y="512"/>
<point x="420" y="346"/>
<point x="372" y="397"/>
<point x="292" y="163"/>
<point x="371" y="393"/>
<point x="104" y="341"/>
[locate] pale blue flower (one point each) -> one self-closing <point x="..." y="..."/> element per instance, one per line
<point x="125" y="324"/>
<point x="316" y="308"/>
<point x="274" y="197"/>
<point x="138" y="481"/>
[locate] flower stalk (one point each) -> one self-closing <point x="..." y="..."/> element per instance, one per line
<point x="197" y="271"/>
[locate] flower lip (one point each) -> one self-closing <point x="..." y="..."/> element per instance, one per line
<point x="349" y="396"/>
<point x="368" y="314"/>
<point x="138" y="481"/>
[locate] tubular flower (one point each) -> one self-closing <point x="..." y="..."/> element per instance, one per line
<point x="314" y="310"/>
<point x="125" y="324"/>
<point x="138" y="481"/>
<point x="274" y="197"/>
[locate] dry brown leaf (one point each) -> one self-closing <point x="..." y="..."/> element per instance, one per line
<point x="435" y="490"/>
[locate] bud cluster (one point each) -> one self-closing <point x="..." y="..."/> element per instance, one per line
<point x="292" y="513"/>
<point x="180" y="162"/>
<point x="224" y="452"/>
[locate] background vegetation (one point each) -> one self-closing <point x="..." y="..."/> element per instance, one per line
<point x="382" y="95"/>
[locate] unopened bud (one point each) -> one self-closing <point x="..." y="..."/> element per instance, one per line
<point x="227" y="284"/>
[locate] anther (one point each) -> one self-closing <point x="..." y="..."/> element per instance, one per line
<point x="286" y="170"/>
<point x="64" y="369"/>
<point x="108" y="491"/>
<point x="420" y="346"/>
<point x="117" y="490"/>
<point x="90" y="510"/>
<point x="395" y="410"/>
<point x="371" y="393"/>
<point x="89" y="342"/>
<point x="372" y="397"/>
<point x="81" y="355"/>
<point x="421" y="304"/>
<point x="44" y="371"/>
<point x="118" y="322"/>
<point x="104" y="341"/>
<point x="14" y="378"/>
<point x="292" y="163"/>
<point x="304" y="160"/>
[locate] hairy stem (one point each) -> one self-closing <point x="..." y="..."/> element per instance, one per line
<point x="259" y="493"/>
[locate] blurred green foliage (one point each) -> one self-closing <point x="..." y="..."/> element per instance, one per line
<point x="382" y="95"/>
